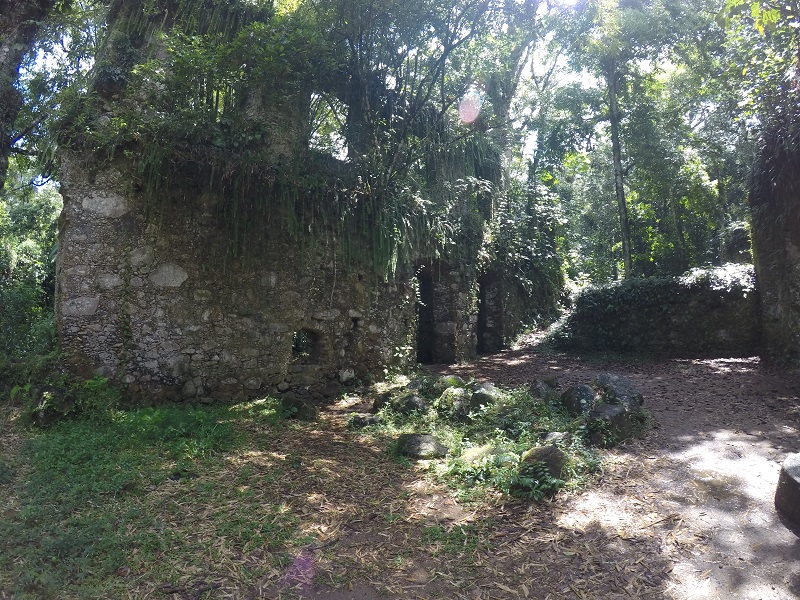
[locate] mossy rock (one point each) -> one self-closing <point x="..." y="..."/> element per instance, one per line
<point x="554" y="459"/>
<point x="610" y="424"/>
<point x="486" y="394"/>
<point x="420" y="446"/>
<point x="448" y="381"/>
<point x="410" y="402"/>
<point x="454" y="403"/>
<point x="578" y="400"/>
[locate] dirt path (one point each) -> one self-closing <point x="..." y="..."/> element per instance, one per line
<point x="699" y="489"/>
<point x="686" y="513"/>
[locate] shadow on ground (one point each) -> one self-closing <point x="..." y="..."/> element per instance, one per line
<point x="710" y="467"/>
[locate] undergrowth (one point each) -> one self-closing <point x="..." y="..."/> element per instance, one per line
<point x="487" y="441"/>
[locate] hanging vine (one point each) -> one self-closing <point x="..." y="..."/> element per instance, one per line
<point x="212" y="95"/>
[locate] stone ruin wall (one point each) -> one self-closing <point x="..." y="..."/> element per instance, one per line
<point x="775" y="218"/>
<point x="156" y="306"/>
<point x="159" y="306"/>
<point x="447" y="313"/>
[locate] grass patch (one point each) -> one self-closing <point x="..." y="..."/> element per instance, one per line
<point x="97" y="505"/>
<point x="452" y="541"/>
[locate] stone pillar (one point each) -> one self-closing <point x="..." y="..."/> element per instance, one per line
<point x="787" y="496"/>
<point x="775" y="216"/>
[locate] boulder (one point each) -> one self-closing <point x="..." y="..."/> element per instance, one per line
<point x="409" y="403"/>
<point x="554" y="459"/>
<point x="485" y="394"/>
<point x="787" y="495"/>
<point x="454" y="403"/>
<point x="346" y="375"/>
<point x="297" y="407"/>
<point x="610" y="424"/>
<point x="420" y="445"/>
<point x="556" y="438"/>
<point x="544" y="388"/>
<point x="382" y="400"/>
<point x="614" y="389"/>
<point x="578" y="400"/>
<point x="447" y="381"/>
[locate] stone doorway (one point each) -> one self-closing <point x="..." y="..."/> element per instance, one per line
<point x="426" y="322"/>
<point x="490" y="315"/>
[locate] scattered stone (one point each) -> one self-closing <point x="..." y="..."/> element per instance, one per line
<point x="360" y="420"/>
<point x="50" y="404"/>
<point x="615" y="389"/>
<point x="382" y="400"/>
<point x="542" y="389"/>
<point x="477" y="454"/>
<point x="554" y="459"/>
<point x="346" y="375"/>
<point x="486" y="393"/>
<point x="189" y="389"/>
<point x="447" y="381"/>
<point x="297" y="408"/>
<point x="454" y="403"/>
<point x="410" y="402"/>
<point x="610" y="424"/>
<point x="787" y="495"/>
<point x="416" y="384"/>
<point x="420" y="445"/>
<point x="578" y="399"/>
<point x="551" y="380"/>
<point x="556" y="438"/>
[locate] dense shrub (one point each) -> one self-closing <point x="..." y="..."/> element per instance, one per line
<point x="706" y="312"/>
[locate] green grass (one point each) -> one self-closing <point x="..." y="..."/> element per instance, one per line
<point x="452" y="541"/>
<point x="94" y="504"/>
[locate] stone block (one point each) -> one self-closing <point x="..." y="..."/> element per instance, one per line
<point x="168" y="275"/>
<point x="327" y="315"/>
<point x="420" y="445"/>
<point x="787" y="495"/>
<point x="141" y="256"/>
<point x="105" y="204"/>
<point x="81" y="307"/>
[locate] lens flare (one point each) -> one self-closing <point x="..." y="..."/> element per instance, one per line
<point x="470" y="107"/>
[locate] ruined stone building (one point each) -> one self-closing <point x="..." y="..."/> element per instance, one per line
<point x="160" y="306"/>
<point x="153" y="293"/>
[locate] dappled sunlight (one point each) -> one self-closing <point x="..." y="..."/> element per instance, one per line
<point x="699" y="488"/>
<point x="728" y="365"/>
<point x="745" y="463"/>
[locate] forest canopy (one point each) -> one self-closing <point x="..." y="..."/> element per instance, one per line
<point x="592" y="140"/>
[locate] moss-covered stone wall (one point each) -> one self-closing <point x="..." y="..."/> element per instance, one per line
<point x="706" y="313"/>
<point x="162" y="305"/>
<point x="775" y="223"/>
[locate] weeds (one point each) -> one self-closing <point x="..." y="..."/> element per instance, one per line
<point x="488" y="437"/>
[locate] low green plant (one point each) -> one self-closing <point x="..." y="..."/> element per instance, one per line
<point x="67" y="397"/>
<point x="456" y="540"/>
<point x="95" y="498"/>
<point x="534" y="481"/>
<point x="505" y="428"/>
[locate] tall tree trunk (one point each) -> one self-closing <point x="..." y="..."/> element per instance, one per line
<point x="680" y="236"/>
<point x="19" y="24"/>
<point x="614" y="117"/>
